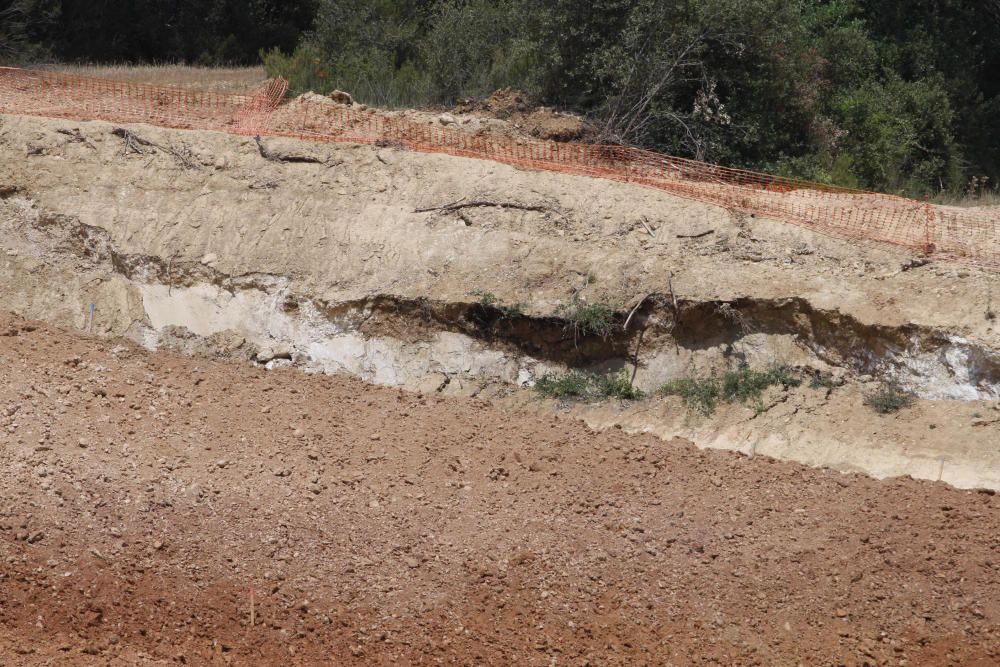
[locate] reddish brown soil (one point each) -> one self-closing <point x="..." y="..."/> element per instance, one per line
<point x="144" y="495"/>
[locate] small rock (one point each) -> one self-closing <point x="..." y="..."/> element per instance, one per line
<point x="210" y="258"/>
<point x="35" y="537"/>
<point x="538" y="466"/>
<point x="222" y="463"/>
<point x="266" y="354"/>
<point x="411" y="562"/>
<point x="447" y="119"/>
<point x="841" y="613"/>
<point x="340" y="97"/>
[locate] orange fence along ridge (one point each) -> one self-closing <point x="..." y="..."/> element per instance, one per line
<point x="940" y="232"/>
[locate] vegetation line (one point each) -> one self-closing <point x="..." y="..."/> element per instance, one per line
<point x="878" y="95"/>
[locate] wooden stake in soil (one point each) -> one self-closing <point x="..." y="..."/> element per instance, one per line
<point x="253" y="616"/>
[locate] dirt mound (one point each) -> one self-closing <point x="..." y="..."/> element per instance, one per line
<point x="502" y="103"/>
<point x="531" y="120"/>
<point x="335" y="97"/>
<point x="147" y="494"/>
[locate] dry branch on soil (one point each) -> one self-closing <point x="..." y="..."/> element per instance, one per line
<point x="482" y="203"/>
<point x="696" y="236"/>
<point x="134" y="141"/>
<point x="76" y="137"/>
<point x="274" y="156"/>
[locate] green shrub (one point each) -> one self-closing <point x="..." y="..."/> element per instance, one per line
<point x="486" y="299"/>
<point x="617" y="386"/>
<point x="702" y="394"/>
<point x="304" y="69"/>
<point x="888" y="399"/>
<point x="489" y="300"/>
<point x="588" y="319"/>
<point x="743" y="385"/>
<point x="821" y="381"/>
<point x="582" y="384"/>
<point x="574" y="384"/>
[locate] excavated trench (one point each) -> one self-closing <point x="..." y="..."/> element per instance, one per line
<point x="55" y="268"/>
<point x="427" y="343"/>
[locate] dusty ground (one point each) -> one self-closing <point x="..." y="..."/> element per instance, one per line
<point x="145" y="494"/>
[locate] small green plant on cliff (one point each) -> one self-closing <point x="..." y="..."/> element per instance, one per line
<point x="587" y="319"/>
<point x="821" y="381"/>
<point x="744" y="385"/>
<point x="582" y="384"/>
<point x="489" y="300"/>
<point x="486" y="299"/>
<point x="888" y="399"/>
<point x="617" y="386"/>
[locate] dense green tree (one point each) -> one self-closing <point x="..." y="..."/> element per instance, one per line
<point x="196" y="31"/>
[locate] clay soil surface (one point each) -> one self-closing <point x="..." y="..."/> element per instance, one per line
<point x="145" y="494"/>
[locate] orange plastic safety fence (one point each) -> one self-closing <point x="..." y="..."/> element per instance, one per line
<point x="957" y="234"/>
<point x="54" y="95"/>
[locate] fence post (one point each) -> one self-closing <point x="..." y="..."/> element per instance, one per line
<point x="929" y="220"/>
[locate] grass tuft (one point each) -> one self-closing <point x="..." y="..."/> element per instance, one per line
<point x="743" y="385"/>
<point x="888" y="399"/>
<point x="821" y="381"/>
<point x="490" y="301"/>
<point x="581" y="384"/>
<point x="588" y="319"/>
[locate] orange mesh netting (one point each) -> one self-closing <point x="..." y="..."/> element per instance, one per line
<point x="34" y="93"/>
<point x="960" y="234"/>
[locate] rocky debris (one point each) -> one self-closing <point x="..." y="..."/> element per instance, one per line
<point x="335" y="97"/>
<point x="340" y="97"/>
<point x="226" y="344"/>
<point x="515" y="109"/>
<point x="270" y="353"/>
